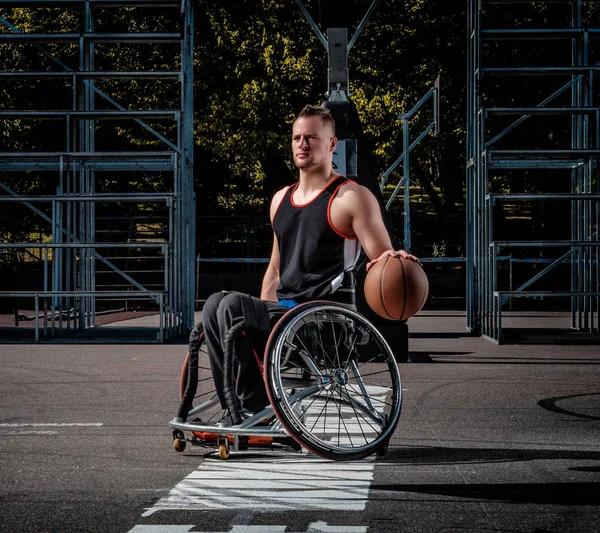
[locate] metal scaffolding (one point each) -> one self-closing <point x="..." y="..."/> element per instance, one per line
<point x="101" y="246"/>
<point x="549" y="150"/>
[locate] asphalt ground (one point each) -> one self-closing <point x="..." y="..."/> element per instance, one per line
<point x="491" y="438"/>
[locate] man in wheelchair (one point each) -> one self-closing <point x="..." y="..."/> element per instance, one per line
<point x="320" y="224"/>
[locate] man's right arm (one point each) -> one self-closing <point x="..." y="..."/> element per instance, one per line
<point x="271" y="278"/>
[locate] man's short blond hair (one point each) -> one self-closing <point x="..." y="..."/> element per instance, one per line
<point x="311" y="110"/>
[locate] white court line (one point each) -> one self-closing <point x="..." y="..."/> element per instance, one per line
<point x="151" y="528"/>
<point x="298" y="483"/>
<point x="314" y="527"/>
<point x="32" y="433"/>
<point x="53" y="425"/>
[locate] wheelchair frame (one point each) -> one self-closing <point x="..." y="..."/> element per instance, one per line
<point x="327" y="370"/>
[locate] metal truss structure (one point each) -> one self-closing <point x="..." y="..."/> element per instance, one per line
<point x="97" y="244"/>
<point x="546" y="150"/>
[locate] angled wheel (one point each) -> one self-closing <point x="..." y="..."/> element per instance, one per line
<point x="333" y="381"/>
<point x="204" y="392"/>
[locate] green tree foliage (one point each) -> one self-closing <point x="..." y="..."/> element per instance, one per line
<point x="256" y="66"/>
<point x="258" y="63"/>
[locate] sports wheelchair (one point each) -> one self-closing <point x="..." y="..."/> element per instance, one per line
<point x="332" y="381"/>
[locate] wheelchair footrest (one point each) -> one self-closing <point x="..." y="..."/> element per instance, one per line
<point x="240" y="430"/>
<point x="251" y="440"/>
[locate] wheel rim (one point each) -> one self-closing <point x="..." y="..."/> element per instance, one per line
<point x="337" y="389"/>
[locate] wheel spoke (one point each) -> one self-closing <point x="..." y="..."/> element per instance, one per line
<point x="294" y="364"/>
<point x="360" y="414"/>
<point x="313" y="336"/>
<point x="300" y="395"/>
<point x="319" y="415"/>
<point x="361" y="384"/>
<point x="201" y="395"/>
<point x="335" y="343"/>
<point x="374" y="373"/>
<point x="343" y="422"/>
<point x="304" y="354"/>
<point x="329" y="360"/>
<point x="357" y="423"/>
<point x="352" y="401"/>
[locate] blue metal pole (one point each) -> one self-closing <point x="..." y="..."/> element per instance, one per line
<point x="406" y="173"/>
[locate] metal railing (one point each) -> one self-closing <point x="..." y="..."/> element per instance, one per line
<point x="408" y="146"/>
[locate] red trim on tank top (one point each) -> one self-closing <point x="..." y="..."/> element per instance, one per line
<point x="333" y="195"/>
<point x="320" y="193"/>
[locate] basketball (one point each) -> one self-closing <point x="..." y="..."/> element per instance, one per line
<point x="396" y="288"/>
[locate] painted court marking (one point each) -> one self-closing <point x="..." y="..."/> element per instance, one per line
<point x="296" y="483"/>
<point x="314" y="527"/>
<point x="44" y="429"/>
<point x="52" y="425"/>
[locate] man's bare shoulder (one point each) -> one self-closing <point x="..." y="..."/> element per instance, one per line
<point x="279" y="194"/>
<point x="353" y="187"/>
<point x="355" y="195"/>
<point x="276" y="200"/>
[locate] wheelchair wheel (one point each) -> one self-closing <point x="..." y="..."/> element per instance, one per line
<point x="333" y="381"/>
<point x="204" y="389"/>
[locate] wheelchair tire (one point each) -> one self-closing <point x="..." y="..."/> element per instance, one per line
<point x="333" y="381"/>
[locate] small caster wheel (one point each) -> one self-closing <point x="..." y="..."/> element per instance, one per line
<point x="223" y="448"/>
<point x="179" y="444"/>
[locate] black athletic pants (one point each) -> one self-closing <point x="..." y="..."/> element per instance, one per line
<point x="222" y="311"/>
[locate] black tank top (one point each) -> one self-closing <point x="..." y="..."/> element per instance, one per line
<point x="314" y="256"/>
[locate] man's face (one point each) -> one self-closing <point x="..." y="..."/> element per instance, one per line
<point x="312" y="142"/>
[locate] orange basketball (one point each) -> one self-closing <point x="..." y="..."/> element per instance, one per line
<point x="396" y="288"/>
